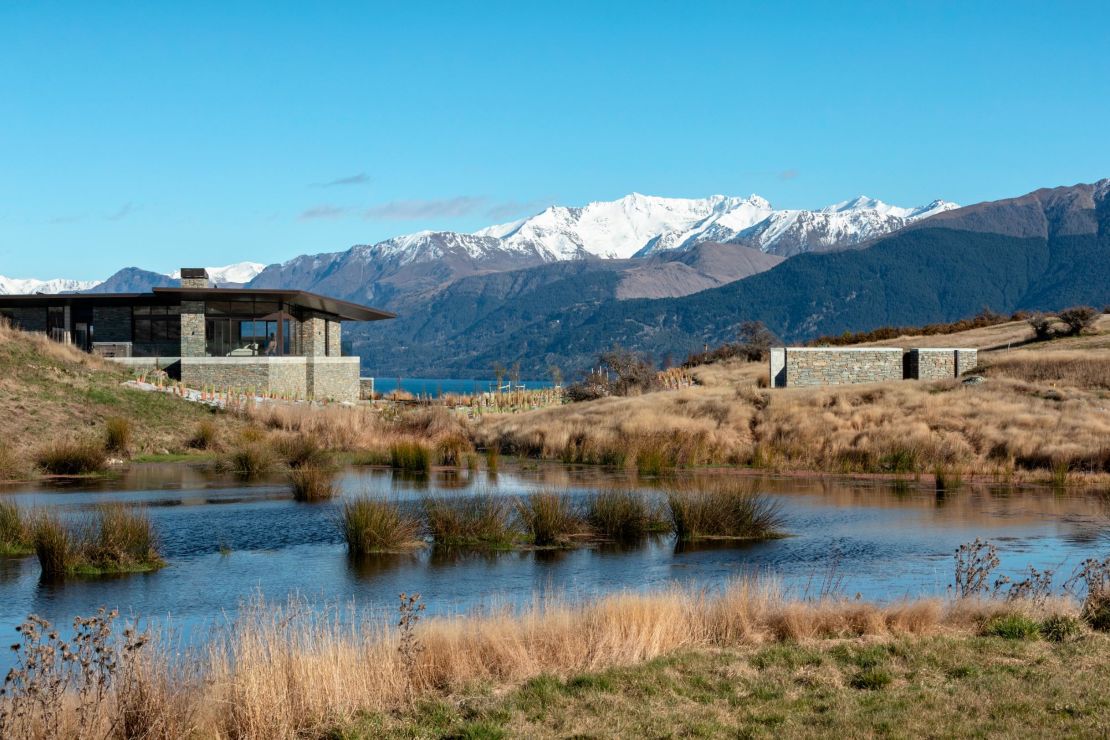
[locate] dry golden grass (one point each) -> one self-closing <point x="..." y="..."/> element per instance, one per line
<point x="1076" y="368"/>
<point x="287" y="671"/>
<point x="1042" y="409"/>
<point x="48" y="389"/>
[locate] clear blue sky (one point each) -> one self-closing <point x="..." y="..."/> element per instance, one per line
<point x="150" y="135"/>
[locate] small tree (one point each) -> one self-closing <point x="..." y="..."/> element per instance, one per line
<point x="556" y="376"/>
<point x="514" y="375"/>
<point x="633" y="372"/>
<point x="1044" y="327"/>
<point x="499" y="373"/>
<point x="756" y="341"/>
<point x="1078" y="318"/>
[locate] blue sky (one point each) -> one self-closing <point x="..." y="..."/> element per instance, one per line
<point x="157" y="134"/>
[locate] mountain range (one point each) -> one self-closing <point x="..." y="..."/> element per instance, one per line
<point x="668" y="275"/>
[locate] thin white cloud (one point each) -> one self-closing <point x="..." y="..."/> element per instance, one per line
<point x="323" y="211"/>
<point x="360" y="179"/>
<point x="122" y="212"/>
<point x="413" y="210"/>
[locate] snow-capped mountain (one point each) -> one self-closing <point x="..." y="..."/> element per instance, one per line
<point x="22" y="286"/>
<point x="239" y="273"/>
<point x="638" y="225"/>
<point x="229" y="275"/>
<point x="625" y="227"/>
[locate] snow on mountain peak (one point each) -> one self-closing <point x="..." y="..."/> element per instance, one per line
<point x="27" y="286"/>
<point x="240" y="272"/>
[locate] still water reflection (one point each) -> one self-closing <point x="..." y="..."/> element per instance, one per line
<point x="226" y="541"/>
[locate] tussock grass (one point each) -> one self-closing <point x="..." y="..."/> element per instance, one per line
<point x="470" y="521"/>
<point x="117" y="434"/>
<point x="12" y="466"/>
<point x="313" y="482"/>
<point x="549" y="518"/>
<point x="624" y="515"/>
<point x="205" y="436"/>
<point x="114" y="539"/>
<point x="301" y="450"/>
<point x="72" y="457"/>
<point x="15" y="534"/>
<point x="412" y="455"/>
<point x="906" y="428"/>
<point x="723" y="510"/>
<point x="372" y="526"/>
<point x="290" y="671"/>
<point x="1073" y="368"/>
<point x="249" y="459"/>
<point x="454" y="449"/>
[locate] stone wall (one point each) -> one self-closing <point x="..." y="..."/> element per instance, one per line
<point x="815" y="366"/>
<point x="366" y="389"/>
<point x="807" y="366"/>
<point x="284" y="375"/>
<point x="966" y="360"/>
<point x="112" y="324"/>
<point x="313" y="335"/>
<point x="335" y="336"/>
<point x="192" y="329"/>
<point x="333" y="378"/>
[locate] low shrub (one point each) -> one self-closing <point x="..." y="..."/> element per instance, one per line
<point x="72" y="457"/>
<point x="249" y="459"/>
<point x="623" y="515"/>
<point x="411" y="455"/>
<point x="1011" y="627"/>
<point x="313" y="482"/>
<point x="15" y="535"/>
<point x="1096" y="613"/>
<point x="549" y="518"/>
<point x="723" y="510"/>
<point x="117" y="434"/>
<point x="203" y="437"/>
<point x="1061" y="628"/>
<point x="470" y="521"/>
<point x="371" y="525"/>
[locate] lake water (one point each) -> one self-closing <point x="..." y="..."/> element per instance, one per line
<point x="878" y="540"/>
<point x="438" y="386"/>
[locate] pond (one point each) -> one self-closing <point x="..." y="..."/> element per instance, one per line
<point x="226" y="541"/>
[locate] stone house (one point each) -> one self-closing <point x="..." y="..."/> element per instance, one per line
<point x="282" y="341"/>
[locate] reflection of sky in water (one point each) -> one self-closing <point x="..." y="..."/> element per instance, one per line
<point x="872" y="539"/>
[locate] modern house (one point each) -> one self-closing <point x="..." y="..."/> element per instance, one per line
<point x="283" y="341"/>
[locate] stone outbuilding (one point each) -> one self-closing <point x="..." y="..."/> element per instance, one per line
<point x="816" y="366"/>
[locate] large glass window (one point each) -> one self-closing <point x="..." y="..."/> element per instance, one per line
<point x="155" y="324"/>
<point x="250" y="328"/>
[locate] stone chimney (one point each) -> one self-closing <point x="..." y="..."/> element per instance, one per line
<point x="194" y="277"/>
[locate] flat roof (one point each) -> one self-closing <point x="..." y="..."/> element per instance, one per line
<point x="343" y="309"/>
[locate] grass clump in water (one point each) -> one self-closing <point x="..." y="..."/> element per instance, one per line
<point x="249" y="459"/>
<point x="411" y="455"/>
<point x="15" y="535"/>
<point x="549" y="518"/>
<point x="373" y="526"/>
<point x="723" y="510"/>
<point x="313" y="482"/>
<point x="115" y="539"/>
<point x="623" y="516"/>
<point x="72" y="457"/>
<point x="470" y="521"/>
